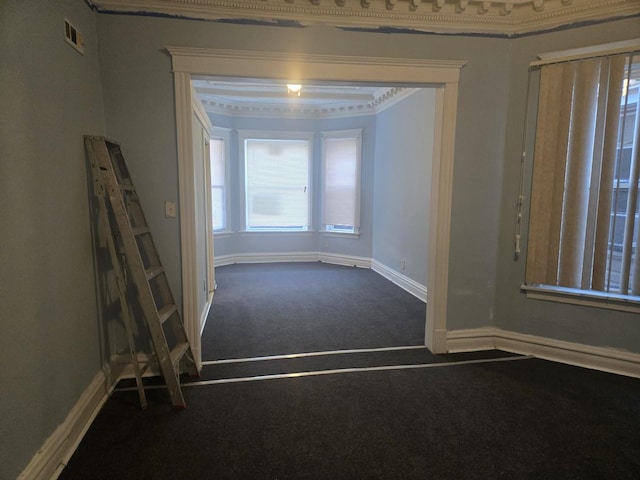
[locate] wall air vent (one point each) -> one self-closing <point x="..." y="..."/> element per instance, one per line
<point x="73" y="36"/>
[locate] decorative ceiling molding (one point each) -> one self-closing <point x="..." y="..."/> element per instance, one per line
<point x="263" y="100"/>
<point x="493" y="17"/>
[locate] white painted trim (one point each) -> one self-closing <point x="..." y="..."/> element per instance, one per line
<point x="346" y="260"/>
<point x="277" y="257"/>
<point x="442" y="74"/>
<point x="627" y="46"/>
<point x="414" y="288"/>
<point x="247" y="109"/>
<point x="471" y="340"/>
<point x="306" y="67"/>
<point x="440" y="217"/>
<point x="588" y="298"/>
<point x="606" y="359"/>
<point x="49" y="461"/>
<point x="187" y="190"/>
<point x="498" y="17"/>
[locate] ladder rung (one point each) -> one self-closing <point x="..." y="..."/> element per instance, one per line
<point x="140" y="230"/>
<point x="153" y="271"/>
<point x="165" y="312"/>
<point x="177" y="353"/>
<point x="146" y="365"/>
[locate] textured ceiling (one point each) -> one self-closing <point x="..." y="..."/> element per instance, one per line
<point x="493" y="17"/>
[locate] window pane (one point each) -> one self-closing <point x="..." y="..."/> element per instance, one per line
<point x="277" y="184"/>
<point x="218" y="179"/>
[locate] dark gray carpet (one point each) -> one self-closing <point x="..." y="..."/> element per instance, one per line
<point x="524" y="419"/>
<point x="270" y="309"/>
<point x="517" y="418"/>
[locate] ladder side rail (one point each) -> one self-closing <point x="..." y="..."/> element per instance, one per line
<point x="137" y="270"/>
<point x="118" y="273"/>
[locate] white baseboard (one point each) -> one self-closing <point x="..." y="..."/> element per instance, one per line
<point x="598" y="358"/>
<point x="404" y="282"/>
<point x="270" y="257"/>
<point x="336" y="259"/>
<point x="346" y="260"/>
<point x="49" y="461"/>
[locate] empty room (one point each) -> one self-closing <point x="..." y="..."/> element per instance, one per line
<point x="392" y="239"/>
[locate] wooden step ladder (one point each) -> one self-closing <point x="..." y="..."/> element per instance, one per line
<point x="130" y="233"/>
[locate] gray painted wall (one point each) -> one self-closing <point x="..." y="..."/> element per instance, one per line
<point x="404" y="154"/>
<point x="136" y="76"/>
<point x="51" y="96"/>
<point x="513" y="311"/>
<point x="50" y="347"/>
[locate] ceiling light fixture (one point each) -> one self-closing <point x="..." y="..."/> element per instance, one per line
<point x="294" y="88"/>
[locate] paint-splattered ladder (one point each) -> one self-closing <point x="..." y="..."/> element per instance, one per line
<point x="129" y="232"/>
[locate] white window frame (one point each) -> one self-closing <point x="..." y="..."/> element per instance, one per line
<point x="224" y="134"/>
<point x="355" y="134"/>
<point x="274" y="135"/>
<point x="604" y="300"/>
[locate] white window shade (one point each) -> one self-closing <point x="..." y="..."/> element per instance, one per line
<point x="218" y="176"/>
<point x="277" y="184"/>
<point x="341" y="182"/>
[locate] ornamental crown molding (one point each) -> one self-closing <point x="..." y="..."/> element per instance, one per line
<point x="493" y="17"/>
<point x="320" y="108"/>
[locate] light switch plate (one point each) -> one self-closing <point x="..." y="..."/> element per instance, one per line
<point x="170" y="209"/>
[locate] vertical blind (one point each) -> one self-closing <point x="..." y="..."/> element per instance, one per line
<point x="277" y="184"/>
<point x="340" y="183"/>
<point x="584" y="229"/>
<point x="218" y="174"/>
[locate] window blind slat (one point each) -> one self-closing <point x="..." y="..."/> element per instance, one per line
<point x="607" y="173"/>
<point x="578" y="171"/>
<point x="540" y="218"/>
<point x="630" y="218"/>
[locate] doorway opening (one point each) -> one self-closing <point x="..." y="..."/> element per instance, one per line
<point x="442" y="75"/>
<point x="325" y="172"/>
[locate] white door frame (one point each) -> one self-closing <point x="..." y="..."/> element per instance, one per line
<point x="301" y="68"/>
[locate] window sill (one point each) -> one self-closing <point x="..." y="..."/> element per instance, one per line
<point x="222" y="234"/>
<point x="276" y="232"/>
<point x="327" y="233"/>
<point x="589" y="298"/>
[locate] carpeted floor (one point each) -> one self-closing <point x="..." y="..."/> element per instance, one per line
<point x="461" y="416"/>
<point x="270" y="309"/>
